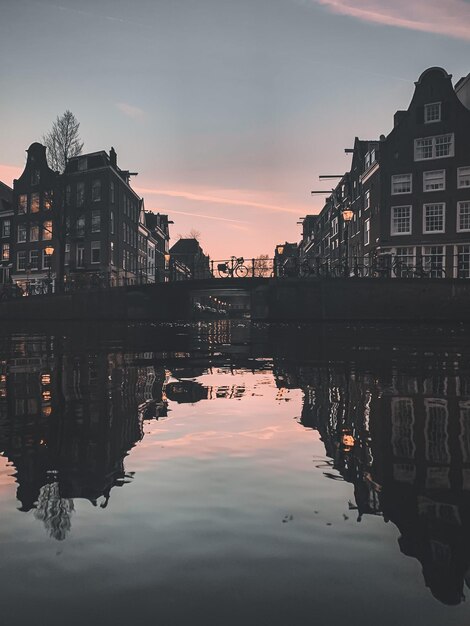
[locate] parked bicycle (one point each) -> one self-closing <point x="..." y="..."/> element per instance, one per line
<point x="234" y="267"/>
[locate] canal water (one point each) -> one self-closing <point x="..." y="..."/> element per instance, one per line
<point x="235" y="473"/>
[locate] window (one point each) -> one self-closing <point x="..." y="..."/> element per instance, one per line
<point x="370" y="158"/>
<point x="34" y="259"/>
<point x="35" y="177"/>
<point x="334" y="226"/>
<point x="34" y="203"/>
<point x="432" y="112"/>
<point x="367" y="232"/>
<point x="48" y="200"/>
<point x="46" y="260"/>
<point x="95" y="252"/>
<point x="434" y="181"/>
<point x="22" y="203"/>
<point x="34" y="233"/>
<point x="433" y="260"/>
<point x="96" y="190"/>
<point x="405" y="256"/>
<point x="463" y="216"/>
<point x="68" y="194"/>
<point x="434" y="218"/>
<point x="401" y="220"/>
<point x="80" y="226"/>
<point x="463" y="261"/>
<point x="111" y="253"/>
<point x="21" y="233"/>
<point x="401" y="183"/>
<point x="95" y="221"/>
<point x="111" y="192"/>
<point x="436" y="147"/>
<point x="47" y="230"/>
<point x="6" y="252"/>
<point x="21" y="261"/>
<point x="436" y="433"/>
<point x="6" y="228"/>
<point x="80" y="194"/>
<point x="67" y="254"/>
<point x="367" y="199"/>
<point x="463" y="177"/>
<point x="111" y="222"/>
<point x="80" y="256"/>
<point x="82" y="164"/>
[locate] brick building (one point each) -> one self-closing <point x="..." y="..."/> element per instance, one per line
<point x="408" y="192"/>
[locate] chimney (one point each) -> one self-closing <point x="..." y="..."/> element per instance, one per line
<point x="113" y="157"/>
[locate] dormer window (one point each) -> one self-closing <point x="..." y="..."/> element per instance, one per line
<point x="432" y="112"/>
<point x="370" y="158"/>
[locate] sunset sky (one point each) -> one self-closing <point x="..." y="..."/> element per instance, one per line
<point x="228" y="109"/>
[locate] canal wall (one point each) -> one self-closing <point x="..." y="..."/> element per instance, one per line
<point x="313" y="300"/>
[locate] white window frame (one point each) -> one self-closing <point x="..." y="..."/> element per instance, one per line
<point x="77" y="256"/>
<point x="34" y="228"/>
<point x="23" y="229"/>
<point x="334" y="227"/>
<point x="34" y="266"/>
<point x="434" y="204"/>
<point x="427" y="108"/>
<point x="394" y="181"/>
<point x="21" y="254"/>
<point x="459" y="208"/>
<point x="367" y="231"/>
<point x="408" y="232"/>
<point x="461" y="176"/>
<point x="433" y="139"/>
<point x="443" y="172"/>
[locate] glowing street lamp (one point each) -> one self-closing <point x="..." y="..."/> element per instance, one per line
<point x="49" y="250"/>
<point x="347" y="216"/>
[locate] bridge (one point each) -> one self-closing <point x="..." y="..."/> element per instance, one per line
<point x="272" y="299"/>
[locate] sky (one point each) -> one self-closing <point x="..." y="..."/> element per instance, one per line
<point x="229" y="110"/>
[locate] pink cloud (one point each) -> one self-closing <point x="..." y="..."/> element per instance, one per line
<point x="451" y="18"/>
<point x="230" y="197"/>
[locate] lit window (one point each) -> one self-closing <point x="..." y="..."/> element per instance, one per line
<point x="34" y="203"/>
<point x="6" y="228"/>
<point x="95" y="221"/>
<point x="21" y="233"/>
<point x="47" y="230"/>
<point x="401" y="183"/>
<point x="80" y="194"/>
<point x="401" y="220"/>
<point x="436" y="147"/>
<point x="95" y="252"/>
<point x="434" y="181"/>
<point x="434" y="218"/>
<point x="80" y="226"/>
<point x="432" y="112"/>
<point x="6" y="252"/>
<point x="48" y="200"/>
<point x="463" y="216"/>
<point x="96" y="190"/>
<point x="34" y="233"/>
<point x="463" y="177"/>
<point x="21" y="261"/>
<point x="22" y="203"/>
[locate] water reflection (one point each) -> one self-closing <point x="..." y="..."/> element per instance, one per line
<point x="397" y="429"/>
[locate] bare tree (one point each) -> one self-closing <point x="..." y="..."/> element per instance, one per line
<point x="194" y="234"/>
<point x="262" y="266"/>
<point x="63" y="141"/>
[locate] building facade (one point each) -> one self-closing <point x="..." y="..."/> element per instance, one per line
<point x="406" y="199"/>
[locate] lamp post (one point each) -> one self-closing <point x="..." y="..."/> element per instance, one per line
<point x="347" y="215"/>
<point x="49" y="250"/>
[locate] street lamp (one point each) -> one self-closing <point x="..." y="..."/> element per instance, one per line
<point x="347" y="215"/>
<point x="49" y="250"/>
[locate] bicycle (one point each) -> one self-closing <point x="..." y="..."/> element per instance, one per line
<point x="234" y="267"/>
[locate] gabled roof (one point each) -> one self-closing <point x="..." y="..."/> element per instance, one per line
<point x="186" y="246"/>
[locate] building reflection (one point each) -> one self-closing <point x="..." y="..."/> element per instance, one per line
<point x="67" y="421"/>
<point x="403" y="440"/>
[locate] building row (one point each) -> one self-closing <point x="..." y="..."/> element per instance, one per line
<point x="85" y="226"/>
<point x="405" y="202"/>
